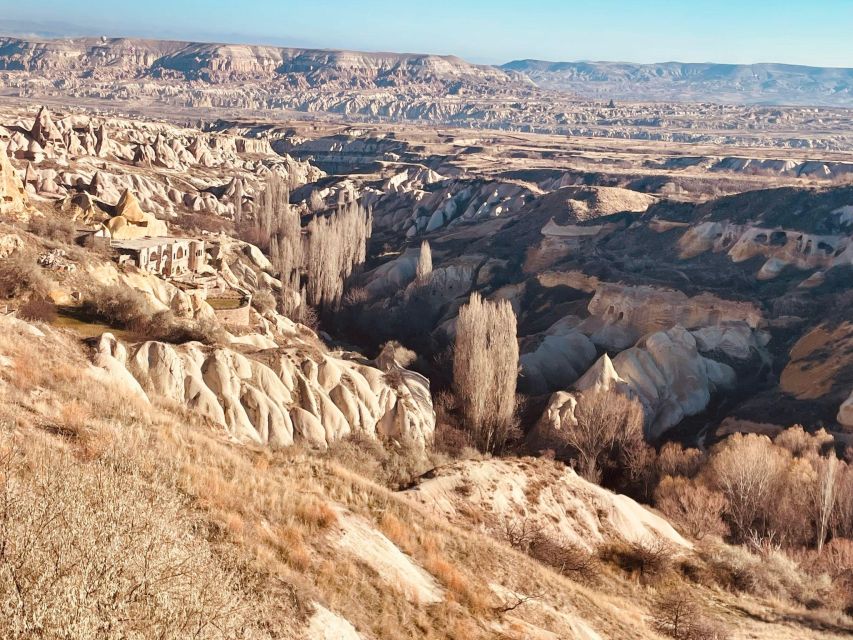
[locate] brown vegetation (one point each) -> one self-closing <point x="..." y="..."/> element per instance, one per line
<point x="605" y="432"/>
<point x="485" y="368"/>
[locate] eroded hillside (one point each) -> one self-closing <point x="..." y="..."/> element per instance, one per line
<point x="249" y="326"/>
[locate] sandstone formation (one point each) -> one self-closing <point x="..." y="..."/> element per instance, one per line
<point x="437" y="89"/>
<point x="544" y="495"/>
<point x="682" y="82"/>
<point x="130" y="222"/>
<point x="664" y="371"/>
<point x="620" y="315"/>
<point x="13" y="197"/>
<point x="279" y="396"/>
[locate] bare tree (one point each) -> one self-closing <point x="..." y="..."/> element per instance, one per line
<point x="697" y="509"/>
<point x="747" y="469"/>
<point x="424" y="262"/>
<point x="485" y="369"/>
<point x="825" y="495"/>
<point x="334" y="246"/>
<point x="604" y="427"/>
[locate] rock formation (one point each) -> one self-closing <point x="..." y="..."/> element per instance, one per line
<point x="280" y="396"/>
<point x="13" y="197"/>
<point x="664" y="371"/>
<point x="562" y="506"/>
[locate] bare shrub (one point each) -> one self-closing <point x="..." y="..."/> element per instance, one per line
<point x="19" y="273"/>
<point x="674" y="460"/>
<point x="485" y="369"/>
<point x="263" y="301"/>
<point x="520" y="532"/>
<point x="747" y="469"/>
<point x="697" y="509"/>
<point x="800" y="443"/>
<point x="38" y="308"/>
<point x="53" y="228"/>
<point x="604" y="428"/>
<point x="770" y="573"/>
<point x="119" y="306"/>
<point x="390" y="466"/>
<point x="128" y="308"/>
<point x="206" y="330"/>
<point x="89" y="551"/>
<point x="401" y="355"/>
<point x="648" y="559"/>
<point x="450" y="438"/>
<point x="566" y="558"/>
<point x="677" y="614"/>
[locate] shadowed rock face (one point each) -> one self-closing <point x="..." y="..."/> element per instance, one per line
<point x="13" y="198"/>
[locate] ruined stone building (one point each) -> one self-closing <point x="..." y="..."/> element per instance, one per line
<point x="164" y="256"/>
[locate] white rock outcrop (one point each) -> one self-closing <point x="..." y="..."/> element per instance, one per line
<point x="664" y="371"/>
<point x="280" y="396"/>
<point x="551" y="497"/>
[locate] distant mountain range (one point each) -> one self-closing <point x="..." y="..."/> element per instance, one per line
<point x="527" y="94"/>
<point x="765" y="83"/>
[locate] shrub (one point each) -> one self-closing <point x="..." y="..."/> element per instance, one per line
<point x="697" y="509"/>
<point x="53" y="228"/>
<point x="119" y="306"/>
<point x="90" y="552"/>
<point x="19" y="274"/>
<point x="675" y="460"/>
<point x="263" y="301"/>
<point x="605" y="430"/>
<point x="648" y="559"/>
<point x="676" y="613"/>
<point x="747" y="470"/>
<point x="128" y="308"/>
<point x="38" y="308"/>
<point x="565" y="557"/>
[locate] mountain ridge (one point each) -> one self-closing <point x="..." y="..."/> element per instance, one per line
<point x="757" y="83"/>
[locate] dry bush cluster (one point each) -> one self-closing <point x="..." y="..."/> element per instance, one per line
<point x="791" y="492"/>
<point x="38" y="309"/>
<point x="19" y="274"/>
<point x="604" y="434"/>
<point x="649" y="560"/>
<point x="53" y="228"/>
<point x="786" y="504"/>
<point x="677" y="614"/>
<point x="96" y="552"/>
<point x="127" y="308"/>
<point x="553" y="550"/>
<point x="268" y="519"/>
<point x="485" y="369"/>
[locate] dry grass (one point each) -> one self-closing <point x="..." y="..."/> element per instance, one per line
<point x="261" y="525"/>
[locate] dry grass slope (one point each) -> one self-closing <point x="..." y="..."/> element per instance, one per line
<point x="118" y="517"/>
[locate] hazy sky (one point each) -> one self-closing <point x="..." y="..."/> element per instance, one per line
<point x="815" y="32"/>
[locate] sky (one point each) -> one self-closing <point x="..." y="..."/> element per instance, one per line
<point x="811" y="32"/>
